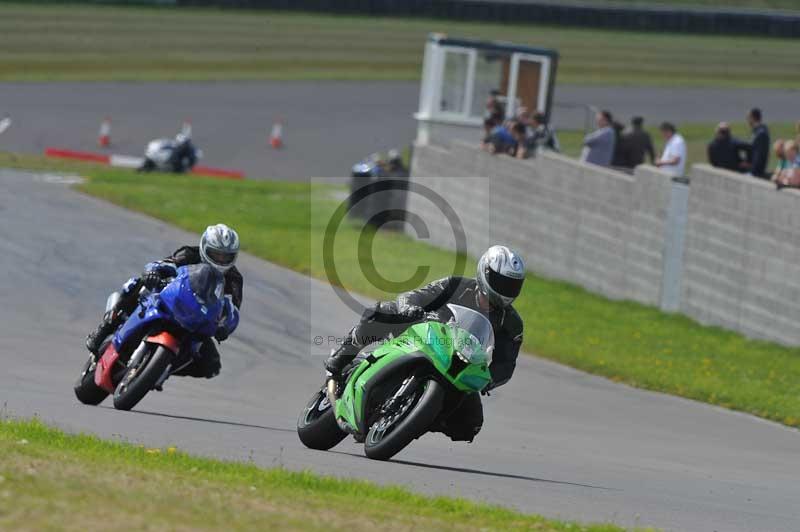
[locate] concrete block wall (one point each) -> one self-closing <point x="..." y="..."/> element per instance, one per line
<point x="737" y="263"/>
<point x="595" y="227"/>
<point x="742" y="256"/>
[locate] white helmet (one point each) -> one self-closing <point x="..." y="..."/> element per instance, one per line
<point x="501" y="273"/>
<point x="219" y="247"/>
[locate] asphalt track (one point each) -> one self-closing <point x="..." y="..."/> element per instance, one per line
<point x="555" y="441"/>
<point x="329" y="125"/>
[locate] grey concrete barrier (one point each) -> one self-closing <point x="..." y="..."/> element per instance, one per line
<point x="742" y="255"/>
<point x="722" y="248"/>
<point x="598" y="228"/>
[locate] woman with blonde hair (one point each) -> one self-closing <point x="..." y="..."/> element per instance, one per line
<point x="790" y="175"/>
<point x="783" y="164"/>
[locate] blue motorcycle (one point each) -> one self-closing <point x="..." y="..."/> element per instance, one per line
<point x="161" y="337"/>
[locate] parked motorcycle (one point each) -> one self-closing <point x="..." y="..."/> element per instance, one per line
<point x="162" y="336"/>
<point x="176" y="155"/>
<point x="404" y="388"/>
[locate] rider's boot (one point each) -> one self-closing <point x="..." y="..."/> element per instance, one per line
<point x="339" y="359"/>
<point x="95" y="339"/>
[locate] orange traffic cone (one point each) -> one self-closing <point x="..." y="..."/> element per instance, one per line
<point x="104" y="136"/>
<point x="186" y="128"/>
<point x="276" y="136"/>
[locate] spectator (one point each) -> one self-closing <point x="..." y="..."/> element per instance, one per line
<point x="394" y="165"/>
<point x="598" y="146"/>
<point x="620" y="157"/>
<point x="494" y="107"/>
<point x="519" y="149"/>
<point x="783" y="164"/>
<point x="758" y="149"/>
<point x="724" y="150"/>
<point x="541" y="135"/>
<point x="638" y="143"/>
<point x="673" y="159"/>
<point x="497" y="137"/>
<point x="789" y="176"/>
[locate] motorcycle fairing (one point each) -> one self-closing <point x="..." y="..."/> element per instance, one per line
<point x="430" y="342"/>
<point x="193" y="299"/>
<point x="165" y="339"/>
<point x="143" y="316"/>
<point x="103" y="373"/>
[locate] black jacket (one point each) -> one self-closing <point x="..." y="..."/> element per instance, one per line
<point x="723" y="152"/>
<point x="637" y="144"/>
<point x="506" y="322"/>
<point x="191" y="255"/>
<point x="759" y="151"/>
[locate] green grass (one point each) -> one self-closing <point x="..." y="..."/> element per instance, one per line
<point x="623" y="341"/>
<point x="697" y="136"/>
<point x="50" y="480"/>
<point x="57" y="42"/>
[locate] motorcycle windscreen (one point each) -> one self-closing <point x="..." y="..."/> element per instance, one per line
<point x="472" y="333"/>
<point x="194" y="298"/>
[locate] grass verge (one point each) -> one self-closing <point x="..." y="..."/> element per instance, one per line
<point x="79" y="42"/>
<point x="624" y="341"/>
<point x="50" y="480"/>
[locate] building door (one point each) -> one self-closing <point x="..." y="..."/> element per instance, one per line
<point x="528" y="82"/>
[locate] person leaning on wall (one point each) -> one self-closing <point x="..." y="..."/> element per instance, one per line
<point x="673" y="158"/>
<point x="639" y="143"/>
<point x="789" y="176"/>
<point x="598" y="146"/>
<point x="758" y="148"/>
<point x="724" y="150"/>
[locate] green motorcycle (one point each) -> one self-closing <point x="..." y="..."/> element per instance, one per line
<point x="405" y="387"/>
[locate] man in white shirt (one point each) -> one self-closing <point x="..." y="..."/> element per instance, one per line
<point x="673" y="160"/>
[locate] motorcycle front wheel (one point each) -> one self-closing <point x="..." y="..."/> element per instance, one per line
<point x="407" y="421"/>
<point x="316" y="426"/>
<point x="141" y="376"/>
<point x="86" y="390"/>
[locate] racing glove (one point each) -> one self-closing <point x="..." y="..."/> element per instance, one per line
<point x="229" y="320"/>
<point x="151" y="279"/>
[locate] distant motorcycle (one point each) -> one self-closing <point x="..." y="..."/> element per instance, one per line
<point x="161" y="336"/>
<point x="178" y="155"/>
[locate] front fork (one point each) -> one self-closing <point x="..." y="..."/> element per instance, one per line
<point x="392" y="402"/>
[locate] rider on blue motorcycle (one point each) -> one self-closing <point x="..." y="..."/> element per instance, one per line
<point x="501" y="273"/>
<point x="219" y="247"/>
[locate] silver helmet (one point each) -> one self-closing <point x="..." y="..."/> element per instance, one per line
<point x="219" y="247"/>
<point x="501" y="272"/>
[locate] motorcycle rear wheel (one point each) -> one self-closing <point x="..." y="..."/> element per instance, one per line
<point x="86" y="390"/>
<point x="141" y="376"/>
<point x="316" y="426"/>
<point x="388" y="436"/>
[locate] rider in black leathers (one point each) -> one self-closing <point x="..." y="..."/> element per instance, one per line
<point x="501" y="273"/>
